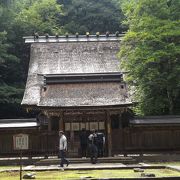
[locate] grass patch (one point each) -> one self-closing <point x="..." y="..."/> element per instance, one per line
<point x="61" y="175"/>
<point x="9" y="167"/>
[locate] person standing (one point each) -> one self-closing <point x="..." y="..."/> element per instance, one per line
<point x="63" y="149"/>
<point x="83" y="142"/>
<point x="93" y="146"/>
<point x="100" y="144"/>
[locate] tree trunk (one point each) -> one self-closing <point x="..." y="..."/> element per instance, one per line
<point x="170" y="100"/>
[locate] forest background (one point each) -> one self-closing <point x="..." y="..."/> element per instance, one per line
<point x="149" y="52"/>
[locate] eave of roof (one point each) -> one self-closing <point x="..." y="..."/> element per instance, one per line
<point x="156" y="121"/>
<point x="18" y="123"/>
<point x="84" y="94"/>
<point x="109" y="106"/>
<point x="78" y="108"/>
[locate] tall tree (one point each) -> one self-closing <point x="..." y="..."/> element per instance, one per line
<point x="10" y="90"/>
<point x="39" y="16"/>
<point x="150" y="53"/>
<point x="91" y="16"/>
<point x="17" y="19"/>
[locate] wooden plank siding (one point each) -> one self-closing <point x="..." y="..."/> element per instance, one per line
<point x="139" y="140"/>
<point x="40" y="143"/>
<point x="124" y="141"/>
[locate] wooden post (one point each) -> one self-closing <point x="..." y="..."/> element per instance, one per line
<point x="49" y="123"/>
<point x="61" y="121"/>
<point x="141" y="144"/>
<point x="20" y="172"/>
<point x="109" y="135"/>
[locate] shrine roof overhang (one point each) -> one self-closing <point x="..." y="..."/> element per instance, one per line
<point x="18" y="123"/>
<point x="120" y="107"/>
<point x="84" y="95"/>
<point x="149" y="121"/>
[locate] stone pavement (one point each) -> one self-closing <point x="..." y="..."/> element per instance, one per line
<point x="80" y="166"/>
<point x="176" y="168"/>
<point x="52" y="163"/>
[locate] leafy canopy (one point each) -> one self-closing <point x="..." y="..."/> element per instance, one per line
<point x="91" y="16"/>
<point x="17" y="19"/>
<point x="150" y="53"/>
<point x="40" y="16"/>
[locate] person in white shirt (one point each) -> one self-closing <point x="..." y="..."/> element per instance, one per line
<point x="63" y="149"/>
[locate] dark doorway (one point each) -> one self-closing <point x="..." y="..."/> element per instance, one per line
<point x="55" y="123"/>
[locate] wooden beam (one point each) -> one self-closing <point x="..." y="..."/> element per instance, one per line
<point x="109" y="133"/>
<point x="47" y="110"/>
<point x="82" y="112"/>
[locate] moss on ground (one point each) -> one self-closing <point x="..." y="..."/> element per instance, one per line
<point x="65" y="175"/>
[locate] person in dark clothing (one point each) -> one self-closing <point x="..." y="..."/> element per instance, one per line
<point x="100" y="144"/>
<point x="93" y="147"/>
<point x="83" y="142"/>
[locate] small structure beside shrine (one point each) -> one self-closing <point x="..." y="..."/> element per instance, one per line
<point x="11" y="127"/>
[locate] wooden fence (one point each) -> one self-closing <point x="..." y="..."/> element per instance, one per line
<point x="124" y="141"/>
<point x="145" y="139"/>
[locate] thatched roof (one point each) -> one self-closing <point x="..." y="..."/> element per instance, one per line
<point x="62" y="56"/>
<point x="85" y="94"/>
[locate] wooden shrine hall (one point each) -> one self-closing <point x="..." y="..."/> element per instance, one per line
<point x="75" y="82"/>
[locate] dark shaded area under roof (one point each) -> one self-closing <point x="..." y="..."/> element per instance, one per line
<point x="82" y="78"/>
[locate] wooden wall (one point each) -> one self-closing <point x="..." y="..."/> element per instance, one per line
<point x="124" y="140"/>
<point x="146" y="139"/>
<point x="40" y="143"/>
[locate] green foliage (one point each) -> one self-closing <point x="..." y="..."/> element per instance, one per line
<point x="8" y="61"/>
<point x="20" y="18"/>
<point x="17" y="19"/>
<point x="41" y="16"/>
<point x="10" y="94"/>
<point x="150" y="53"/>
<point x="91" y="16"/>
<point x="3" y="47"/>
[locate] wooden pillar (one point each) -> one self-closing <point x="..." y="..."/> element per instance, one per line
<point x="47" y="136"/>
<point x="61" y="121"/>
<point x="109" y="135"/>
<point x="49" y="124"/>
<point x="141" y="144"/>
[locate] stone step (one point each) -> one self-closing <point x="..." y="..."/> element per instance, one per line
<point x="54" y="161"/>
